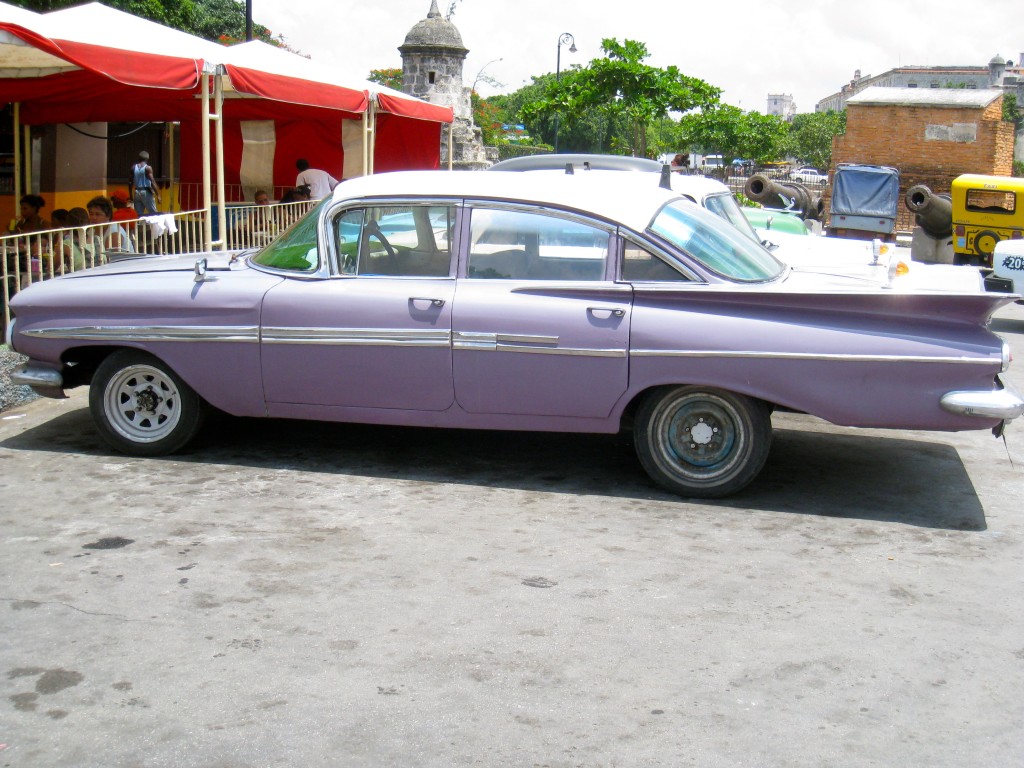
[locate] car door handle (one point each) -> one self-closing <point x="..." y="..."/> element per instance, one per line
<point x="432" y="302"/>
<point x="607" y="311"/>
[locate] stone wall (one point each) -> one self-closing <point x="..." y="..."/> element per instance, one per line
<point x="929" y="145"/>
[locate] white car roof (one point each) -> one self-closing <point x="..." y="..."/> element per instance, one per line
<point x="602" y="193"/>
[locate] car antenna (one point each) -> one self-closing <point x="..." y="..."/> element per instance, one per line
<point x="666" y="177"/>
<point x="569" y="170"/>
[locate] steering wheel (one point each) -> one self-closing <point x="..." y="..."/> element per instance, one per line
<point x="373" y="230"/>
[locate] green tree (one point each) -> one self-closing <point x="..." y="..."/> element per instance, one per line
<point x="1011" y="112"/>
<point x="623" y="90"/>
<point x="811" y="134"/>
<point x="731" y="132"/>
<point x="390" y="77"/>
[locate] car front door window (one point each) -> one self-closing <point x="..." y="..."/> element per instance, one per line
<point x="395" y="241"/>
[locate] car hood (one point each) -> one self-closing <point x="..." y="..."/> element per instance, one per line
<point x="219" y="260"/>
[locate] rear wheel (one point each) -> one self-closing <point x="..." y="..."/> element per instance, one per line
<point x="141" y="407"/>
<point x="702" y="442"/>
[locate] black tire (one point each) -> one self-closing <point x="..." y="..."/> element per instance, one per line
<point x="702" y="442"/>
<point x="141" y="407"/>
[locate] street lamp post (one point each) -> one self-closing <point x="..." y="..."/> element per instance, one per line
<point x="563" y="39"/>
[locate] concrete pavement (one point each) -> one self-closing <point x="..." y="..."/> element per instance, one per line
<point x="292" y="594"/>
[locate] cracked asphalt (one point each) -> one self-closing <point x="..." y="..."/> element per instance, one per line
<point x="295" y="594"/>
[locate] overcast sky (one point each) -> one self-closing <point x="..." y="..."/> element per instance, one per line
<point x="748" y="48"/>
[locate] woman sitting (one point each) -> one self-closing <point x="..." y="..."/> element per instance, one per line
<point x="113" y="237"/>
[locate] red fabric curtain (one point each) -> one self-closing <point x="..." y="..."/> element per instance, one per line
<point x="404" y="144"/>
<point x="318" y="141"/>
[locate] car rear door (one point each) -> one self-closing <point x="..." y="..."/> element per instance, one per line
<point x="539" y="326"/>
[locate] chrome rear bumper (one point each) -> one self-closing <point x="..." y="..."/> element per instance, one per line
<point x="43" y="381"/>
<point x="1005" y="404"/>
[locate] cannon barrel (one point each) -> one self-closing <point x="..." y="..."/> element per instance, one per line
<point x="933" y="213"/>
<point x="789" y="195"/>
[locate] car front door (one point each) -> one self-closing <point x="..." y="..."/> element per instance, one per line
<point x="539" y="327"/>
<point x="378" y="335"/>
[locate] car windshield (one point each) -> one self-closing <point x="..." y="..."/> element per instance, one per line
<point x="725" y="205"/>
<point x="722" y="249"/>
<point x="296" y="249"/>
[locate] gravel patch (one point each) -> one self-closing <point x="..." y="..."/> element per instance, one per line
<point x="12" y="394"/>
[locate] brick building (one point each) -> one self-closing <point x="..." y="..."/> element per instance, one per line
<point x="931" y="135"/>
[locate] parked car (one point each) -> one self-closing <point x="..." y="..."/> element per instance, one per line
<point x="809" y="176"/>
<point x="859" y="259"/>
<point x="1007" y="268"/>
<point x="515" y="301"/>
<point x="773" y="220"/>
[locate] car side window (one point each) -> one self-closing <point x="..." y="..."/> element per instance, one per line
<point x="523" y="245"/>
<point x="640" y="265"/>
<point x="397" y="241"/>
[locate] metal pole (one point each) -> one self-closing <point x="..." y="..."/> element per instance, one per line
<point x="218" y="90"/>
<point x="372" y="108"/>
<point x="17" y="157"/>
<point x="171" y="191"/>
<point x="248" y="21"/>
<point x="366" y="141"/>
<point x="563" y="39"/>
<point x="204" y="82"/>
<point x="27" y="133"/>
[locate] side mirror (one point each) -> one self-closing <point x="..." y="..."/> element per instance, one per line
<point x="200" y="270"/>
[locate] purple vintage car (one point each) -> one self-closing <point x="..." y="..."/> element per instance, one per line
<point x="579" y="302"/>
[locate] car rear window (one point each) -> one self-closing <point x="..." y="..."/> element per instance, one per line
<point x="718" y="246"/>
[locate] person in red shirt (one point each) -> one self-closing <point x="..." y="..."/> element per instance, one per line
<point x="122" y="212"/>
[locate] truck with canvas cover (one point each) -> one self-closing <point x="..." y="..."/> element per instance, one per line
<point x="865" y="200"/>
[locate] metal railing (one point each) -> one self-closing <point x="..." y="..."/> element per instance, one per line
<point x="36" y="256"/>
<point x="190" y="194"/>
<point x="30" y="258"/>
<point x="253" y="226"/>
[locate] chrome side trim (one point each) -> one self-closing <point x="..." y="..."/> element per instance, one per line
<point x="29" y="375"/>
<point x="384" y="337"/>
<point x="537" y="345"/>
<point x="1003" y="404"/>
<point x="246" y="333"/>
<point x="812" y="356"/>
<point x="566" y="351"/>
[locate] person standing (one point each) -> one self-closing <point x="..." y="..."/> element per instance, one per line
<point x="142" y="186"/>
<point x="320" y="183"/>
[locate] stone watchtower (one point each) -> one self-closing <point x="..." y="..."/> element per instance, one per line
<point x="432" y="58"/>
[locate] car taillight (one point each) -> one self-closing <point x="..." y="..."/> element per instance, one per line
<point x="1016" y="234"/>
<point x="960" y="230"/>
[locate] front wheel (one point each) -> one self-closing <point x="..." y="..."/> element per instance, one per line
<point x="141" y="407"/>
<point x="702" y="442"/>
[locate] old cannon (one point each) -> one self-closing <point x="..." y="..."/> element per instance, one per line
<point x="788" y="195"/>
<point x="933" y="213"/>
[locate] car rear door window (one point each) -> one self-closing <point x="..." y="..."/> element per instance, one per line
<point x="640" y="265"/>
<point x="525" y="245"/>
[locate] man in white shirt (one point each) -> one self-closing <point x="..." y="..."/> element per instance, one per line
<point x="320" y="183"/>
